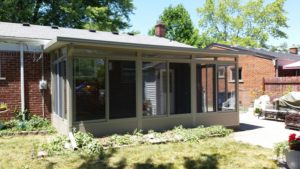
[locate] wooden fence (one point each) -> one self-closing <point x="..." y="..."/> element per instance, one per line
<point x="279" y="86"/>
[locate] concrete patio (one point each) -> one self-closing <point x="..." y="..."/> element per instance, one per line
<point x="261" y="132"/>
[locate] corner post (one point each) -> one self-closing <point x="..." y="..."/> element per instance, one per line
<point x="139" y="90"/>
<point x="69" y="87"/>
<point x="193" y="90"/>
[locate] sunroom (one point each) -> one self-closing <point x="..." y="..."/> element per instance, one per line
<point x="114" y="87"/>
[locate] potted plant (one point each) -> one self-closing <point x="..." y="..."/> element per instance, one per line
<point x="293" y="154"/>
<point x="3" y="106"/>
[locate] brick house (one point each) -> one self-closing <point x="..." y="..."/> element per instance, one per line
<point x="255" y="67"/>
<point x="106" y="82"/>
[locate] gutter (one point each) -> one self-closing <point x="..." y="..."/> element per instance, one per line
<point x="22" y="79"/>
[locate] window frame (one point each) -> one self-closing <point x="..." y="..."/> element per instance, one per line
<point x="240" y="74"/>
<point x="168" y="62"/>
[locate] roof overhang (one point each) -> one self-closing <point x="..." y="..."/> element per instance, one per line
<point x="19" y="40"/>
<point x="60" y="42"/>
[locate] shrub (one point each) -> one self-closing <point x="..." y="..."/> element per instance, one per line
<point x="35" y="123"/>
<point x="119" y="140"/>
<point x="38" y="122"/>
<point x="257" y="111"/>
<point x="56" y="146"/>
<point x="19" y="114"/>
<point x="86" y="143"/>
<point x="280" y="148"/>
<point x="201" y="132"/>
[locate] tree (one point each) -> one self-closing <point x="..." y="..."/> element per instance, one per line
<point x="109" y="15"/>
<point x="179" y="26"/>
<point x="249" y="23"/>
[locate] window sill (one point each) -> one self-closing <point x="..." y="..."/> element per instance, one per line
<point x="233" y="81"/>
<point x="2" y="78"/>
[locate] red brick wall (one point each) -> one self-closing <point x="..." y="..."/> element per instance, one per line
<point x="254" y="69"/>
<point x="10" y="88"/>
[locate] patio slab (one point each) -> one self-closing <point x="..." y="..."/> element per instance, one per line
<point x="261" y="132"/>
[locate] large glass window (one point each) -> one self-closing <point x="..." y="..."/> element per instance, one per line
<point x="154" y="88"/>
<point x="206" y="88"/>
<point x="90" y="90"/>
<point x="180" y="88"/>
<point x="122" y="89"/>
<point x="60" y="88"/>
<point x="226" y="91"/>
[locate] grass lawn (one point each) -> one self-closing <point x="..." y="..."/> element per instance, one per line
<point x="16" y="152"/>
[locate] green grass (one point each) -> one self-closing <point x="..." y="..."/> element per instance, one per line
<point x="212" y="153"/>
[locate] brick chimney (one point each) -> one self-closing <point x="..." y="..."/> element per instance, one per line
<point x="160" y="29"/>
<point x="293" y="50"/>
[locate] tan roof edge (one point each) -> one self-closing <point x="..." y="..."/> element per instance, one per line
<point x="63" y="41"/>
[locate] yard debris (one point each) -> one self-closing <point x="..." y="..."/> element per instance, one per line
<point x="73" y="141"/>
<point x="42" y="154"/>
<point x="67" y="146"/>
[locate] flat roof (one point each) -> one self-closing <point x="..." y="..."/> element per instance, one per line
<point x="60" y="42"/>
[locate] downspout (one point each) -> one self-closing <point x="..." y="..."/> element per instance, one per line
<point x="22" y="79"/>
<point x="43" y="91"/>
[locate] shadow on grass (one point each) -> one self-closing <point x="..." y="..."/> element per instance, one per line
<point x="150" y="165"/>
<point x="102" y="161"/>
<point x="205" y="161"/>
<point x="50" y="165"/>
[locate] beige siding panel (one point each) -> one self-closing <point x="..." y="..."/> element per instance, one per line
<point x="60" y="124"/>
<point x="100" y="128"/>
<point x="226" y="119"/>
<point x="164" y="123"/>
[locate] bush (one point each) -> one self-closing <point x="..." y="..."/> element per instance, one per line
<point x="19" y="114"/>
<point x="33" y="124"/>
<point x="86" y="143"/>
<point x="176" y="135"/>
<point x="201" y="132"/>
<point x="280" y="148"/>
<point x="56" y="146"/>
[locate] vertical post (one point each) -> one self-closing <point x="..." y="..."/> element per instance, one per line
<point x="139" y="90"/>
<point x="237" y="85"/>
<point x="69" y="87"/>
<point x="106" y="62"/>
<point x="193" y="90"/>
<point x="168" y="88"/>
<point x="22" y="78"/>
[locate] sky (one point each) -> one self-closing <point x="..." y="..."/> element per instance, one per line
<point x="147" y="13"/>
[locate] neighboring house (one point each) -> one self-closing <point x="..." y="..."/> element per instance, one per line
<point x="255" y="67"/>
<point x="103" y="82"/>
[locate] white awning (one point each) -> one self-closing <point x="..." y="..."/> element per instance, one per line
<point x="295" y="65"/>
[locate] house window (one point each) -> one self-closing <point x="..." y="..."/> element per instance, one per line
<point x="90" y="88"/>
<point x="221" y="72"/>
<point x="233" y="74"/>
<point x="122" y="89"/>
<point x="1" y="74"/>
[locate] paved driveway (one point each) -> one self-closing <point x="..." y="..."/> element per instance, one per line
<point x="260" y="131"/>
